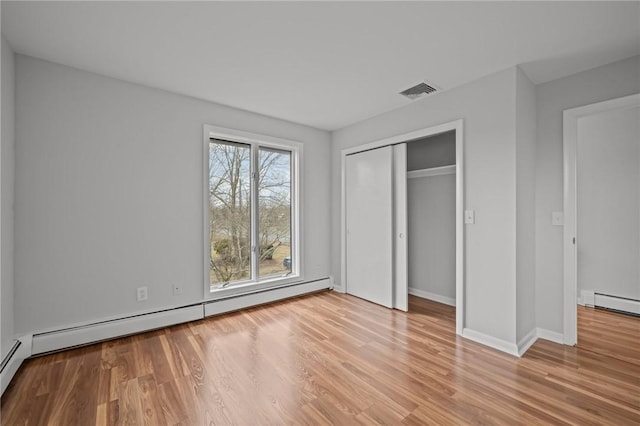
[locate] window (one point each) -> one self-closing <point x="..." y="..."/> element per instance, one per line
<point x="252" y="212"/>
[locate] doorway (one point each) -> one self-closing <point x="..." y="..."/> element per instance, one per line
<point x="400" y="280"/>
<point x="602" y="211"/>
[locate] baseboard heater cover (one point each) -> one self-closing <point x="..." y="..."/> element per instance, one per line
<point x="56" y="340"/>
<point x="12" y="351"/>
<point x="234" y="303"/>
<point x="70" y="337"/>
<point x="616" y="303"/>
<point x="20" y="350"/>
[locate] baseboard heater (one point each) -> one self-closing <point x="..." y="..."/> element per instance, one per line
<point x="56" y="340"/>
<point x="6" y="370"/>
<point x="52" y="341"/>
<point x="234" y="303"/>
<point x="20" y="350"/>
<point x="12" y="351"/>
<point x="616" y="303"/>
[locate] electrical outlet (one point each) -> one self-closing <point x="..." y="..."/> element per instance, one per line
<point x="177" y="289"/>
<point x="142" y="293"/>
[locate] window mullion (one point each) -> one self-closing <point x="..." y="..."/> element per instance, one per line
<point x="255" y="249"/>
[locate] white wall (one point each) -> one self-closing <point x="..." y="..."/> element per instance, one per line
<point x="608" y="184"/>
<point x="607" y="82"/>
<point x="6" y="198"/>
<point x="109" y="194"/>
<point x="432" y="234"/>
<point x="525" y="205"/>
<point x="488" y="109"/>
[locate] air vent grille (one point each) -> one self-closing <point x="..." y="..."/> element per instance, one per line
<point x="418" y="91"/>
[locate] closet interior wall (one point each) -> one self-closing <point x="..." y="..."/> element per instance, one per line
<point x="431" y="194"/>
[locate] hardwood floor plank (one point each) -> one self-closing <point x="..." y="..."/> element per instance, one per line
<point x="75" y="401"/>
<point x="101" y="415"/>
<point x="150" y="406"/>
<point x="113" y="413"/>
<point x="329" y="358"/>
<point x="595" y="333"/>
<point x="174" y="408"/>
<point x="129" y="404"/>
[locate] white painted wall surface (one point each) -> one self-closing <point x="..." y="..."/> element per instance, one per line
<point x="109" y="194"/>
<point x="608" y="184"/>
<point x="432" y="234"/>
<point x="487" y="107"/>
<point x="607" y="82"/>
<point x="525" y="205"/>
<point x="7" y="155"/>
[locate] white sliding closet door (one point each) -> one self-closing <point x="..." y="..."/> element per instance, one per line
<point x="373" y="262"/>
<point x="369" y="205"/>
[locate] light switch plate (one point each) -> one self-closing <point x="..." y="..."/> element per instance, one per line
<point x="557" y="218"/>
<point x="469" y="217"/>
<point x="142" y="294"/>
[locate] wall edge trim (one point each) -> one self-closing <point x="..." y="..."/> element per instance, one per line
<point x="490" y="341"/>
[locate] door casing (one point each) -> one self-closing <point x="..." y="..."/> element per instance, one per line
<point x="569" y="144"/>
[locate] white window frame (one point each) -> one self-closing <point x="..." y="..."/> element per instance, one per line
<point x="255" y="141"/>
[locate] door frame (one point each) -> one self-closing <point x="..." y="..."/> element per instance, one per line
<point x="570" y="249"/>
<point x="456" y="125"/>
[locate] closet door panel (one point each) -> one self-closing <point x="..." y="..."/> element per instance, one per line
<point x="369" y="223"/>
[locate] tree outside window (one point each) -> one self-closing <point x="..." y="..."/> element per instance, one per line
<point x="231" y="227"/>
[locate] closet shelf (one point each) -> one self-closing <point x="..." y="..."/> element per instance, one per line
<point x="433" y="171"/>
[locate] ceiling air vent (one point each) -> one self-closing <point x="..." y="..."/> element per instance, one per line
<point x="418" y="91"/>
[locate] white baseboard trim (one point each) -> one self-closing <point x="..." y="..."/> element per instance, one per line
<point x="10" y="365"/>
<point x="586" y="298"/>
<point x="525" y="343"/>
<point x="339" y="289"/>
<point x="512" y="349"/>
<point x="492" y="342"/>
<point x="67" y="338"/>
<point x="549" y="335"/>
<point x="217" y="307"/>
<point x="432" y="296"/>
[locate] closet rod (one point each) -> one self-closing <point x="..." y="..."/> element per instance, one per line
<point x="433" y="171"/>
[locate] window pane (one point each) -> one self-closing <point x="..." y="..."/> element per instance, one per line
<point x="229" y="212"/>
<point x="274" y="212"/>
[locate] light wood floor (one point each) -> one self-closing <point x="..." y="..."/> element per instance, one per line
<point x="320" y="359"/>
<point x="609" y="333"/>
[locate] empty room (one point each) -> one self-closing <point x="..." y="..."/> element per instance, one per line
<point x="320" y="212"/>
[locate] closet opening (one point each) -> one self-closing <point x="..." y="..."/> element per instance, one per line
<point x="431" y="213"/>
<point x="403" y="221"/>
